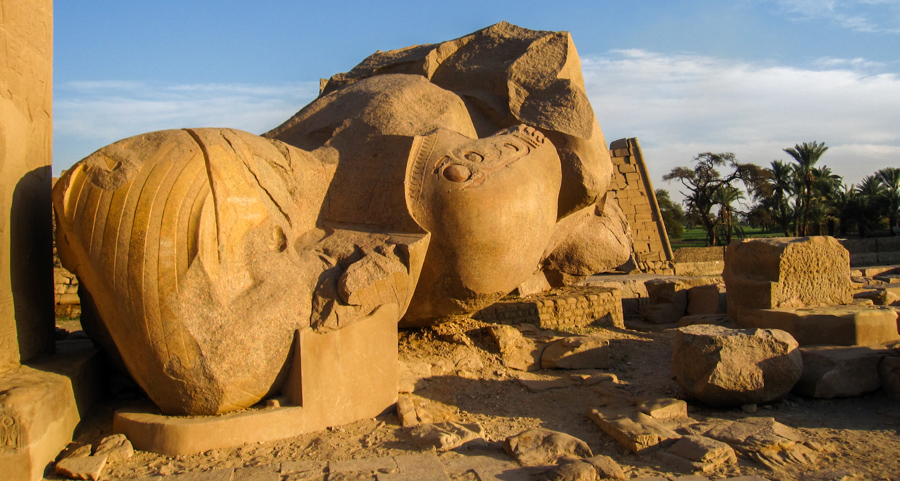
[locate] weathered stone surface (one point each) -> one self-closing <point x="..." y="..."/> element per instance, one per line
<point x="606" y="467"/>
<point x="536" y="447"/>
<point x="415" y="467"/>
<point x="830" y="372"/>
<point x="412" y="375"/>
<point x="445" y="436"/>
<point x="256" y="474"/>
<point x="709" y="299"/>
<point x="786" y="272"/>
<point x="889" y="372"/>
<point x="663" y="408"/>
<point x="516" y="351"/>
<point x="765" y="441"/>
<point x="116" y="448"/>
<point x="732" y="367"/>
<point x="412" y="168"/>
<point x="572" y="471"/>
<point x="635" y="431"/>
<point x="26" y="283"/>
<point x="832" y="325"/>
<point x="577" y="352"/>
<point x="88" y="467"/>
<point x="75" y="449"/>
<point x="700" y="454"/>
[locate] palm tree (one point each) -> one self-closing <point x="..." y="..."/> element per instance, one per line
<point x="890" y="178"/>
<point x="725" y="196"/>
<point x="806" y="155"/>
<point x="868" y="208"/>
<point x="782" y="190"/>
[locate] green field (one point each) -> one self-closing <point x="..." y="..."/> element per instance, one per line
<point x="697" y="237"/>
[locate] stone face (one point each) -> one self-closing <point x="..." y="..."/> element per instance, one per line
<point x="733" y="367"/>
<point x="830" y="372"/>
<point x="537" y="447"/>
<point x="434" y="179"/>
<point x="577" y="352"/>
<point x="786" y="272"/>
<point x="889" y="371"/>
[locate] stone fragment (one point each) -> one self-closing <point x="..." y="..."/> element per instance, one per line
<point x="853" y="325"/>
<point x="755" y="433"/>
<point x="445" y="436"/>
<point x="577" y="352"/>
<point x="606" y="467"/>
<point x="75" y="449"/>
<point x="708" y="453"/>
<point x="412" y="375"/>
<point x="706" y="300"/>
<point x="732" y="367"/>
<point x="663" y="408"/>
<point x="363" y="465"/>
<point x="786" y="272"/>
<point x="88" y="467"/>
<point x="516" y="351"/>
<point x="406" y="412"/>
<point x="636" y="432"/>
<point x="889" y="371"/>
<point x="116" y="448"/>
<point x="572" y="471"/>
<point x="537" y="447"/>
<point x="830" y="372"/>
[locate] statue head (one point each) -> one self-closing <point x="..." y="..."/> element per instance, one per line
<point x="490" y="205"/>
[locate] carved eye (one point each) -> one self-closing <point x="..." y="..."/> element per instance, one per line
<point x="474" y="157"/>
<point x="512" y="146"/>
<point x="457" y="173"/>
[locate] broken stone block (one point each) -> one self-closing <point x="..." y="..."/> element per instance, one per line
<point x="733" y="367"/>
<point x="830" y="372"/>
<point x="116" y="448"/>
<point x="541" y="447"/>
<point x="765" y="441"/>
<point x="637" y="432"/>
<point x="853" y="325"/>
<point x="88" y="467"/>
<point x="578" y="352"/>
<point x="663" y="408"/>
<point x="406" y="412"/>
<point x="706" y="300"/>
<point x="445" y="436"/>
<point x="667" y="301"/>
<point x="75" y="449"/>
<point x="606" y="467"/>
<point x="412" y="375"/>
<point x="699" y="453"/>
<point x="572" y="471"/>
<point x="786" y="272"/>
<point x="889" y="371"/>
<point x="516" y="351"/>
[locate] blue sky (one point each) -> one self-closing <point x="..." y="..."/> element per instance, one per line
<point x="744" y="76"/>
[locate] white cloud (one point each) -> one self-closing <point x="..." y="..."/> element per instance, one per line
<point x="681" y="105"/>
<point x="867" y="16"/>
<point x="89" y="115"/>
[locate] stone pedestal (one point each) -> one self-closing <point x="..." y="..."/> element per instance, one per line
<point x="336" y="378"/>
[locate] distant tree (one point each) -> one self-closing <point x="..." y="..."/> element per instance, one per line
<point x="868" y="209"/>
<point x="703" y="180"/>
<point x="890" y="179"/>
<point x="726" y="195"/>
<point x="806" y="155"/>
<point x="672" y="214"/>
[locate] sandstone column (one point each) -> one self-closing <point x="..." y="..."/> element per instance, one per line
<point x="26" y="132"/>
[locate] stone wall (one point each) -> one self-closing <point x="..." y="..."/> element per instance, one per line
<point x="699" y="261"/>
<point x="26" y="133"/>
<point x="572" y="306"/>
<point x="637" y="199"/>
<point x="872" y="252"/>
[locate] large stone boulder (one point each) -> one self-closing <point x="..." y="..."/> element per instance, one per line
<point x="732" y="367"/>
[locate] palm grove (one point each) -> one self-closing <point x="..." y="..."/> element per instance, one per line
<point x="798" y="198"/>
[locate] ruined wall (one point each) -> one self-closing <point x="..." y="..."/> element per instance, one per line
<point x="873" y="251"/>
<point x="26" y="132"/>
<point x="635" y="195"/>
<point x="567" y="307"/>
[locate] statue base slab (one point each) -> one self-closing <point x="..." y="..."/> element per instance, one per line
<point x="336" y="378"/>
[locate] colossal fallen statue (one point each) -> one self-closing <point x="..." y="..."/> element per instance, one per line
<point x="427" y="182"/>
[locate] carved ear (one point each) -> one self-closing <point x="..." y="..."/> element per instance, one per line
<point x="237" y="209"/>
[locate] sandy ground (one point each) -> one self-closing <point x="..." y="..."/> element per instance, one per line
<point x="856" y="438"/>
